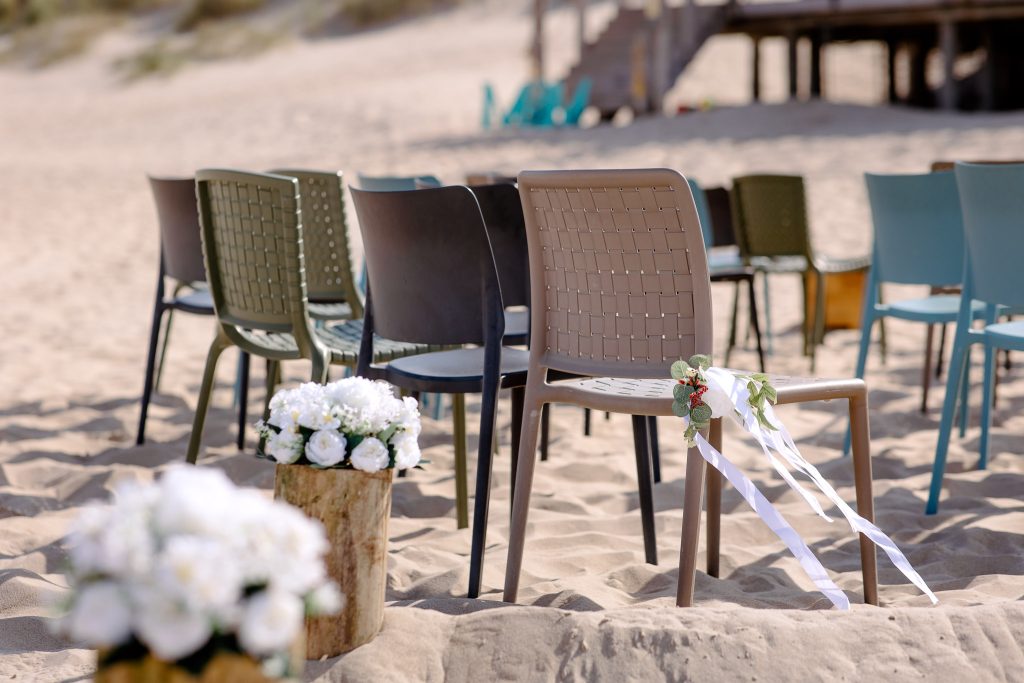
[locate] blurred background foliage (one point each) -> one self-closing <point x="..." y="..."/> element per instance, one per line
<point x="38" y="33"/>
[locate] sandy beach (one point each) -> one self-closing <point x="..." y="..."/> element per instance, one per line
<point x="78" y="263"/>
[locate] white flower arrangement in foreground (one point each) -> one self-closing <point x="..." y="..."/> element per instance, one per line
<point x="354" y="423"/>
<point x="191" y="566"/>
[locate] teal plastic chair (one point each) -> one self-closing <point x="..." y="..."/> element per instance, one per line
<point x="992" y="200"/>
<point x="394" y="183"/>
<point x="575" y="107"/>
<point x="918" y="240"/>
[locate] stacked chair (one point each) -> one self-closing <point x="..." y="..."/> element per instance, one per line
<point x="992" y="200"/>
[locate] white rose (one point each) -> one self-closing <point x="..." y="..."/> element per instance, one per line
<point x="101" y="616"/>
<point x="202" y="572"/>
<point x="194" y="500"/>
<point x="270" y="623"/>
<point x="284" y="447"/>
<point x="168" y="628"/>
<point x="407" y="450"/>
<point x="371" y="455"/>
<point x="719" y="402"/>
<point x="326" y="447"/>
<point x="326" y="599"/>
<point x="408" y="418"/>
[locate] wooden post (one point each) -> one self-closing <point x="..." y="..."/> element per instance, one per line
<point x="581" y="25"/>
<point x="537" y="49"/>
<point x="891" y="48"/>
<point x="817" y="47"/>
<point x="354" y="508"/>
<point x="660" y="56"/>
<point x="791" y="63"/>
<point x="755" y="77"/>
<point x="948" y="47"/>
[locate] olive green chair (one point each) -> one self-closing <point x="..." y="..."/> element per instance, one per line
<point x="770" y="217"/>
<point x="252" y="234"/>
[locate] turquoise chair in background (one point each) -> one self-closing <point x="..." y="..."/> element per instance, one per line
<point x="992" y="200"/>
<point x="575" y="107"/>
<point x="918" y="240"/>
<point x="394" y="183"/>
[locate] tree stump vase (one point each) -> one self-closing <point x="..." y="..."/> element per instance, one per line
<point x="225" y="667"/>
<point x="354" y="508"/>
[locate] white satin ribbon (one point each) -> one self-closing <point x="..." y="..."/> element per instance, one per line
<point x="782" y="443"/>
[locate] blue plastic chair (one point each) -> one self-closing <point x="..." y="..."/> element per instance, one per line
<point x="580" y="99"/>
<point x="489" y="108"/>
<point x="918" y="240"/>
<point x="389" y="183"/>
<point x="992" y="199"/>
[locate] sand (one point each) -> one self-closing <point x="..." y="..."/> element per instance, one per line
<point x="78" y="264"/>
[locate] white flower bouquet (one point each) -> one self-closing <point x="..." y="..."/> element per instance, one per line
<point x="191" y="567"/>
<point x="353" y="423"/>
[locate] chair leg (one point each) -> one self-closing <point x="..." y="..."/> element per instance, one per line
<point x="518" y="396"/>
<point x="942" y="351"/>
<point x="954" y="380"/>
<point x="243" y="395"/>
<point x="147" y="386"/>
<point x="646" y="488"/>
<point x="926" y="375"/>
<point x="586" y="422"/>
<point x="461" y="478"/>
<point x="865" y="500"/>
<point x="818" y="332"/>
<point x="733" y="324"/>
<point x="714" y="501"/>
<point x="521" y="500"/>
<point x="273" y="368"/>
<point x="754" y="321"/>
<point x="767" y="316"/>
<point x="692" y="494"/>
<point x="987" y="391"/>
<point x="481" y="503"/>
<point x="655" y="447"/>
<point x="320" y="366"/>
<point x="163" y="350"/>
<point x="545" y="431"/>
<point x="965" y="390"/>
<point x="209" y="373"/>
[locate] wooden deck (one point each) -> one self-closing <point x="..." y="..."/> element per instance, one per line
<point x="641" y="54"/>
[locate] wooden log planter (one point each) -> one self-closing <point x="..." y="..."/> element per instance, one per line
<point x="354" y="507"/>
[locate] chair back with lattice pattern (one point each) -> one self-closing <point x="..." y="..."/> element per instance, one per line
<point x="618" y="272"/>
<point x="325" y="238"/>
<point x="770" y="215"/>
<point x="252" y="242"/>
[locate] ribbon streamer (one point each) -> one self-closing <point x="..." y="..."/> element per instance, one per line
<point x="782" y="443"/>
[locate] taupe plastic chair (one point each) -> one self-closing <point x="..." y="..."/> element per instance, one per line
<point x="770" y="217"/>
<point x="620" y="290"/>
<point x="410" y="238"/>
<point x="253" y="246"/>
<point x="181" y="260"/>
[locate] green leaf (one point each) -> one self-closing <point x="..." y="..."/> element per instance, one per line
<point x="681" y="408"/>
<point x="759" y="377"/>
<point x="769" y="391"/>
<point x="681" y="392"/>
<point x="679" y="369"/>
<point x="752" y="388"/>
<point x="701" y="413"/>
<point x="701" y="361"/>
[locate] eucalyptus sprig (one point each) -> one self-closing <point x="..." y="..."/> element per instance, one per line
<point x="692" y="384"/>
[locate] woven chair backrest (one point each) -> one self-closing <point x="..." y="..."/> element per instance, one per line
<point x="618" y="272"/>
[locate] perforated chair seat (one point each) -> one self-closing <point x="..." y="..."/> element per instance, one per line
<point x="197" y="301"/>
<point x="342" y="340"/>
<point x="654" y="396"/>
<point x="461" y="369"/>
<point x="330" y="310"/>
<point x="1006" y="335"/>
<point x="939" y="308"/>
